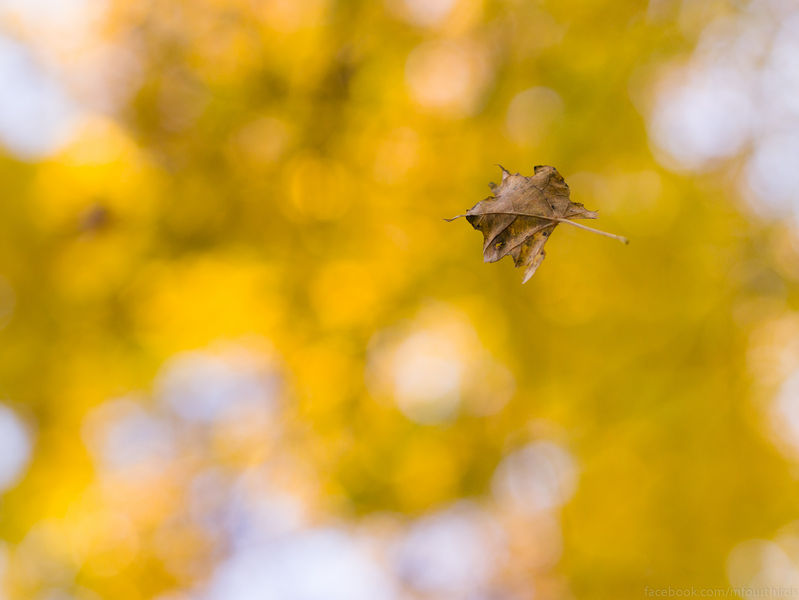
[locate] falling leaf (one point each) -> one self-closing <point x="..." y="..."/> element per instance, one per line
<point x="521" y="215"/>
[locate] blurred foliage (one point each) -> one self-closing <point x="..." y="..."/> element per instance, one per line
<point x="276" y="178"/>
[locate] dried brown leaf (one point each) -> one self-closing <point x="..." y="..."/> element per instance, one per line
<point x="521" y="215"/>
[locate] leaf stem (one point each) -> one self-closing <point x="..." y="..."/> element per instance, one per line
<point x="621" y="238"/>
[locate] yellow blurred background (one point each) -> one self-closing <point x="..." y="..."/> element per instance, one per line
<point x="243" y="357"/>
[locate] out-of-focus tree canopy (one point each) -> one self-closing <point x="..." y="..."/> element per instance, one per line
<point x="242" y="355"/>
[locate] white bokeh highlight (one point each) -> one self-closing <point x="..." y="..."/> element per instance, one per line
<point x="207" y="386"/>
<point x="15" y="448"/>
<point x="253" y="510"/>
<point x="423" y="13"/>
<point x="264" y="532"/>
<point x="785" y="415"/>
<point x="314" y="565"/>
<point x="435" y="367"/>
<point x="540" y="476"/>
<point x="428" y="375"/>
<point x="738" y="95"/>
<point x="771" y="173"/>
<point x="704" y="118"/>
<point x="54" y="15"/>
<point x="762" y="565"/>
<point x="122" y="435"/>
<point x="36" y="116"/>
<point x="451" y="553"/>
